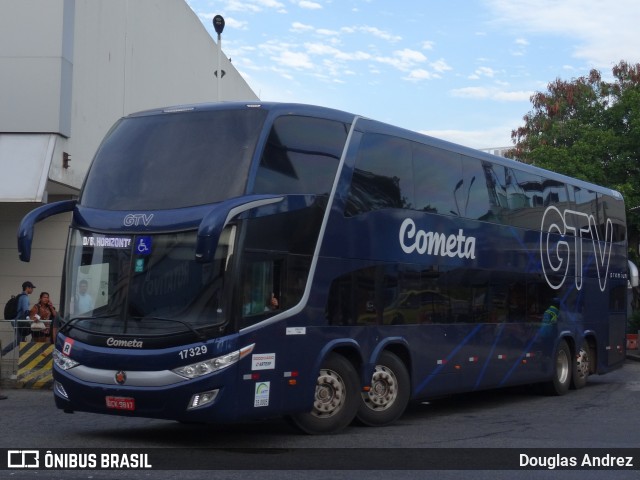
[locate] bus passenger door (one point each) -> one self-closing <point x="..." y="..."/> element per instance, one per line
<point x="260" y="388"/>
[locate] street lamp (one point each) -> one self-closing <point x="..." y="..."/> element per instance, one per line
<point x="218" y="25"/>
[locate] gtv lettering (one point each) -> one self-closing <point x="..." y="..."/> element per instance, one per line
<point x="555" y="256"/>
<point x="434" y="243"/>
<point x="135" y="219"/>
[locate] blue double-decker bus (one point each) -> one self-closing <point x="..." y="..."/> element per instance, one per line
<point x="230" y="262"/>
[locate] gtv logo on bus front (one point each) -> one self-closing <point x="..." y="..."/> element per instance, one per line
<point x="555" y="256"/>
<point x="135" y="219"/>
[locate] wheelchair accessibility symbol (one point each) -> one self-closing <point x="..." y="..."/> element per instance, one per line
<point x="143" y="245"/>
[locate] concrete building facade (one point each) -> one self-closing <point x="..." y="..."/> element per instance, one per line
<point x="68" y="70"/>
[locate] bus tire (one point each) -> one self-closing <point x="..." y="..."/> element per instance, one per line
<point x="562" y="368"/>
<point x="581" y="367"/>
<point x="336" y="398"/>
<point x="389" y="395"/>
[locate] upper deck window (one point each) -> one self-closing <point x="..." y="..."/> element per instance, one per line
<point x="173" y="160"/>
<point x="383" y="177"/>
<point x="301" y="156"/>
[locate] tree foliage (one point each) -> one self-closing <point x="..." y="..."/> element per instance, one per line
<point x="588" y="128"/>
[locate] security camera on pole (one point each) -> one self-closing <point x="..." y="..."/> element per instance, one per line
<point x="218" y="25"/>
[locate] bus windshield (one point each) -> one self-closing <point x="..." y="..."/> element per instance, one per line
<point x="143" y="158"/>
<point x="143" y="284"/>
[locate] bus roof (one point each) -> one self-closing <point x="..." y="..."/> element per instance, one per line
<point x="370" y="125"/>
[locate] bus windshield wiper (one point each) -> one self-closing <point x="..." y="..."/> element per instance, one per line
<point x="66" y="326"/>
<point x="198" y="334"/>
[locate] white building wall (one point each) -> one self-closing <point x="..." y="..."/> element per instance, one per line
<point x="35" y="65"/>
<point x="132" y="55"/>
<point x="68" y="70"/>
<point x="45" y="267"/>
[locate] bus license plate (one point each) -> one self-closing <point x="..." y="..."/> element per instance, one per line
<point x="121" y="403"/>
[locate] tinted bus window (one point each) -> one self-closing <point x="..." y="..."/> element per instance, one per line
<point x="586" y="202"/>
<point x="474" y="193"/>
<point x="554" y="192"/>
<point x="301" y="156"/>
<point x="524" y="190"/>
<point x="438" y="177"/>
<point x="525" y="199"/>
<point x="364" y="297"/>
<point x="615" y="211"/>
<point x="383" y="175"/>
<point x="203" y="155"/>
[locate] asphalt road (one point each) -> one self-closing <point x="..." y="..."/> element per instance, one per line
<point x="602" y="416"/>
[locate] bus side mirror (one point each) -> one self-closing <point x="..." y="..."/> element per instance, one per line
<point x="220" y="215"/>
<point x="25" y="231"/>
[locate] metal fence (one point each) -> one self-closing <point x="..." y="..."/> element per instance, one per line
<point x="13" y="332"/>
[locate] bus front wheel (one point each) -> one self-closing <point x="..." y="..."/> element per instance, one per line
<point x="336" y="399"/>
<point x="562" y="369"/>
<point x="389" y="394"/>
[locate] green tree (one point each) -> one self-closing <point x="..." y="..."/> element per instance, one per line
<point x="588" y="128"/>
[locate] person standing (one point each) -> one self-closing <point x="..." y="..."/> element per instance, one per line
<point x="22" y="314"/>
<point x="84" y="301"/>
<point x="23" y="310"/>
<point x="42" y="315"/>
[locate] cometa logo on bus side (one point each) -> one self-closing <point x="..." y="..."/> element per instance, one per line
<point x="434" y="243"/>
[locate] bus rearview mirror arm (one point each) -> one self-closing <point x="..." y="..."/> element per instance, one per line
<point x="25" y="231"/>
<point x="213" y="223"/>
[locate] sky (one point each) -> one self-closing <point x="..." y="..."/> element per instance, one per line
<point x="460" y="70"/>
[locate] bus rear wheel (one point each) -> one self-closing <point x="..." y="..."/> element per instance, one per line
<point x="389" y="393"/>
<point x="336" y="399"/>
<point x="581" y="367"/>
<point x="562" y="369"/>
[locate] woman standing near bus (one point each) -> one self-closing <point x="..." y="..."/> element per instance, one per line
<point x="42" y="315"/>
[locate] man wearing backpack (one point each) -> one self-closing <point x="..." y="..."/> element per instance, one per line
<point x="21" y="306"/>
<point x="23" y="309"/>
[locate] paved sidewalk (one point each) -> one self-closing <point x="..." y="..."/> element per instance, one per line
<point x="633" y="355"/>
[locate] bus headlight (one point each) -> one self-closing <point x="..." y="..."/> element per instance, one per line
<point x="202" y="399"/>
<point x="62" y="361"/>
<point x="206" y="367"/>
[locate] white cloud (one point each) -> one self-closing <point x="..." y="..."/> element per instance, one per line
<point x="300" y="27"/>
<point x="297" y="60"/>
<point x="428" y="45"/>
<point x="410" y="56"/>
<point x="604" y="33"/>
<point x="494" y="137"/>
<point x="254" y="6"/>
<point x="327" y="32"/>
<point x="419" y="75"/>
<point x="376" y="32"/>
<point x="327" y="50"/>
<point x="471" y="92"/>
<point x="309" y="5"/>
<point x="518" y="96"/>
<point x="235" y="24"/>
<point x="486" y="93"/>
<point x="274" y="4"/>
<point x="404" y="59"/>
<point x="440" y="66"/>
<point x="483" y="72"/>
